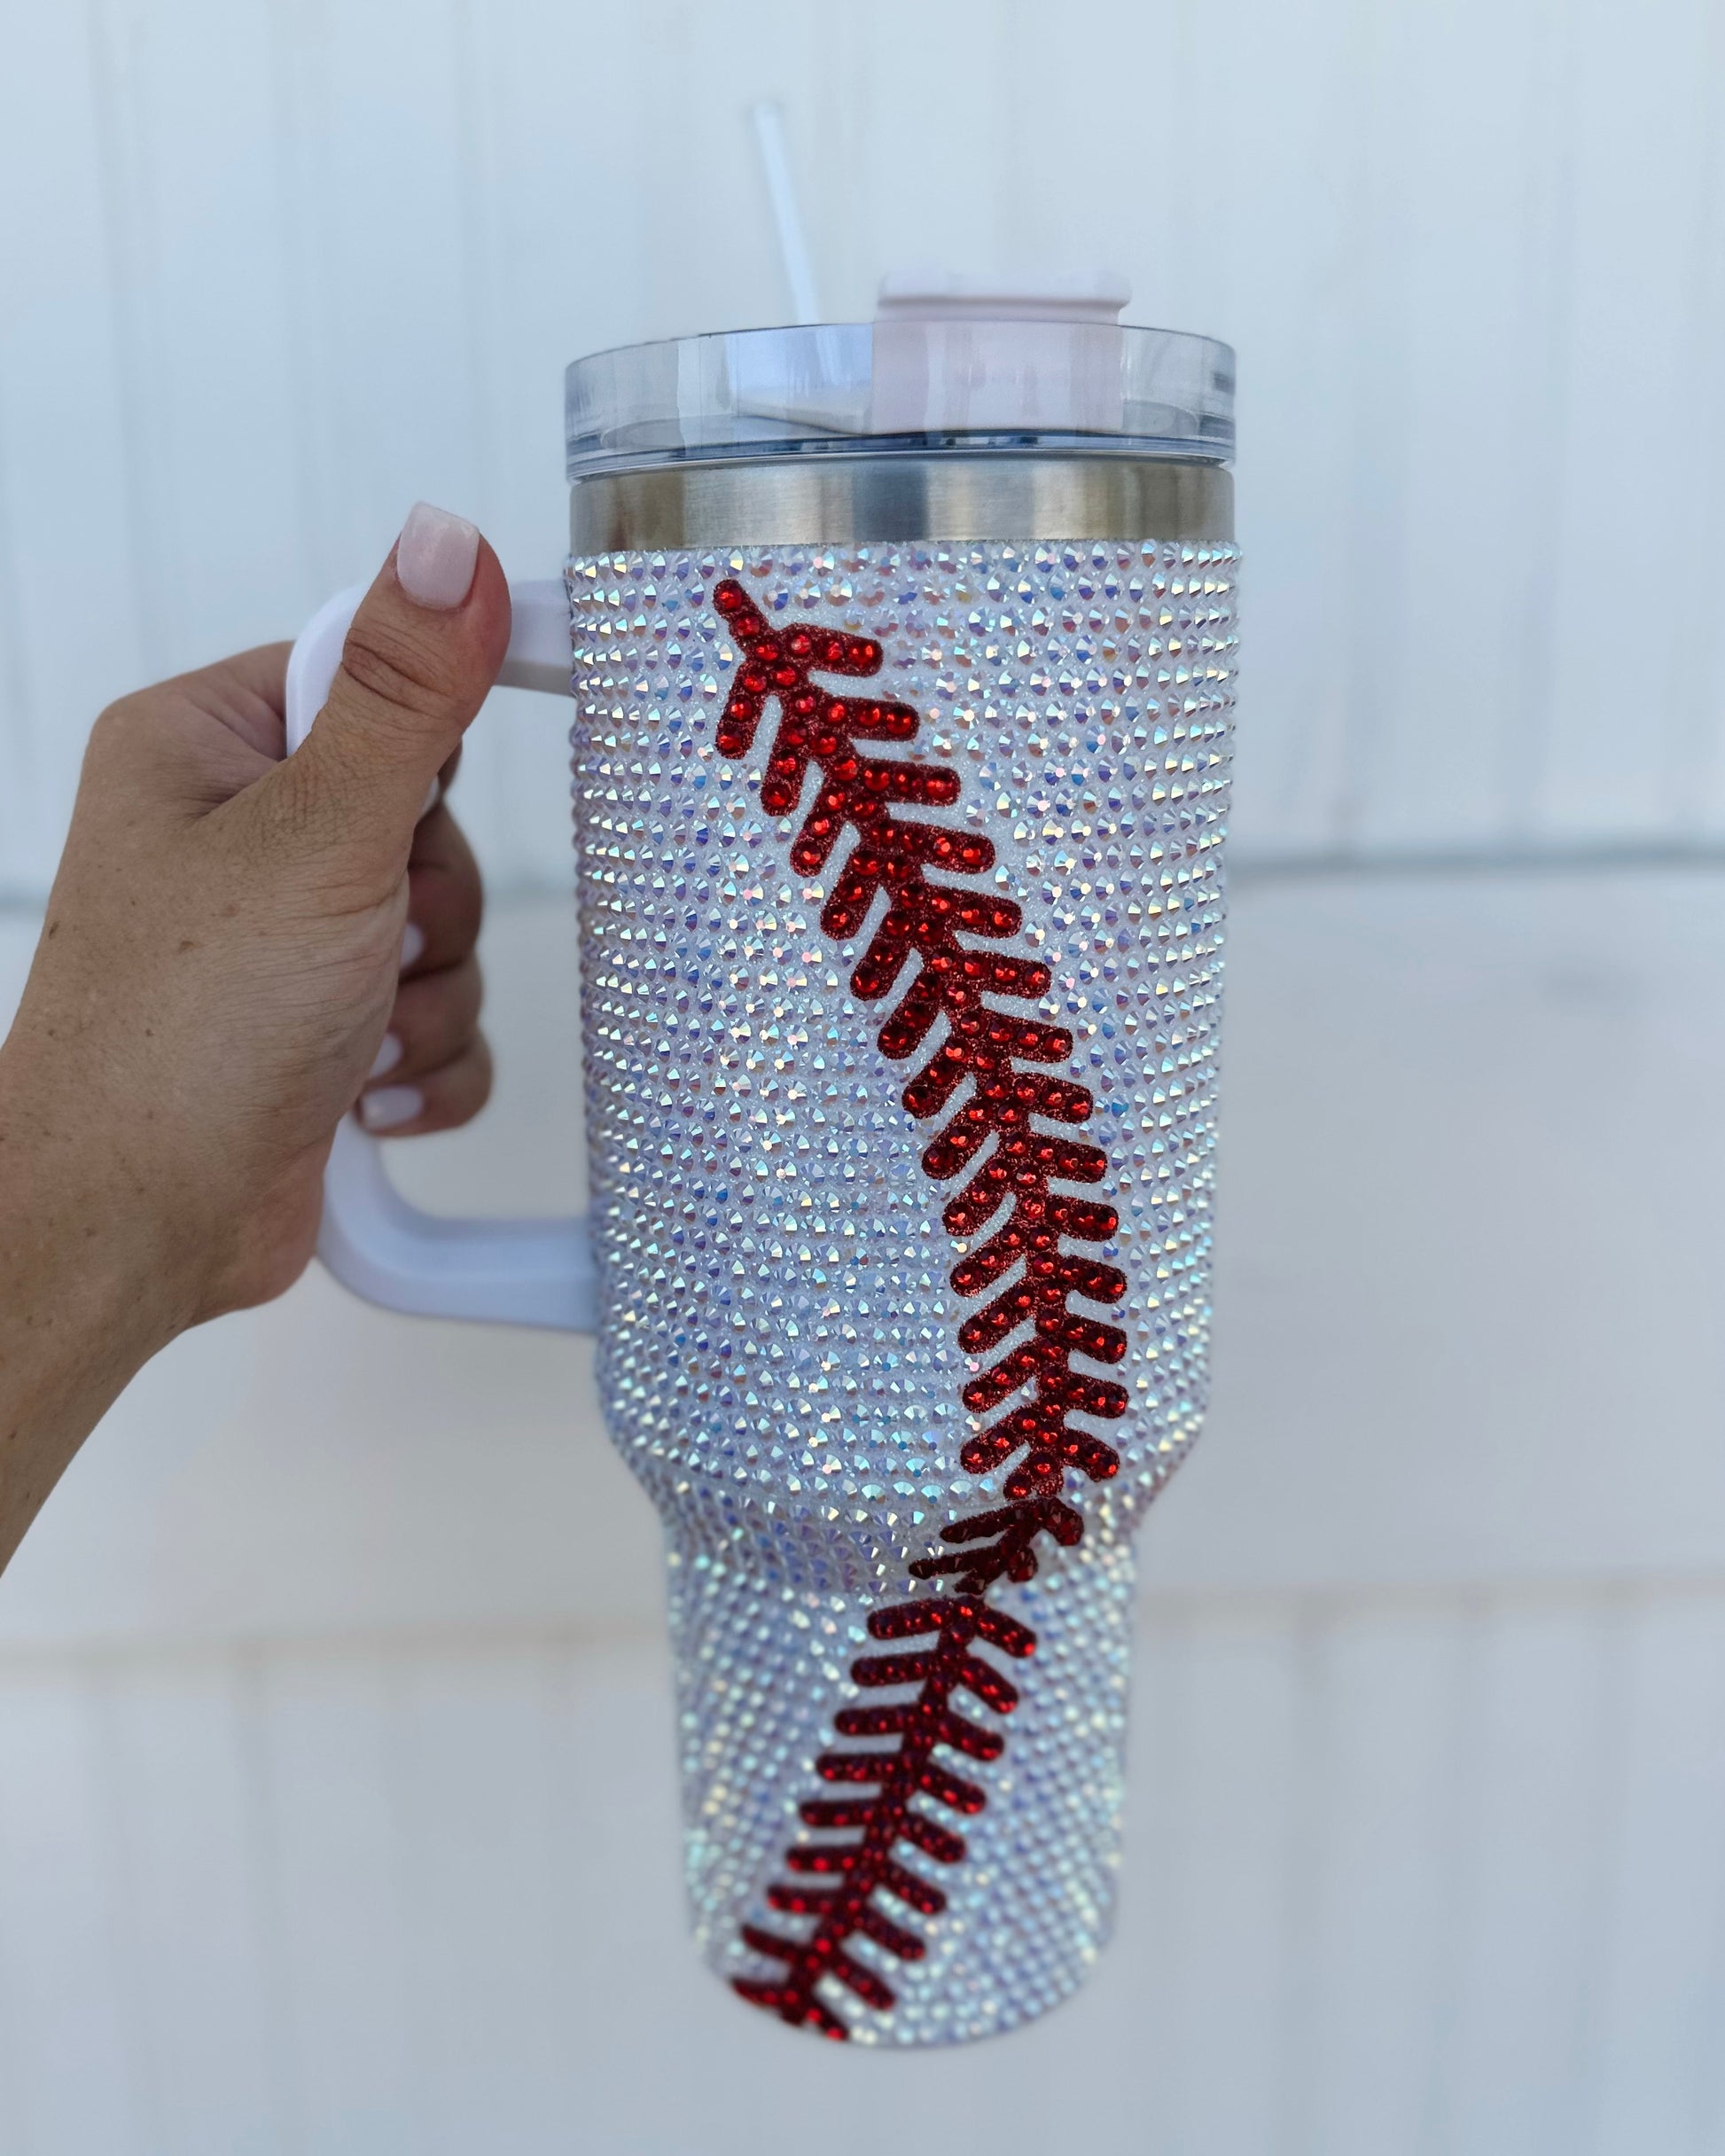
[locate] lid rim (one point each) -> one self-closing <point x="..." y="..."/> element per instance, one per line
<point x="1154" y="449"/>
<point x="1001" y="385"/>
<point x="862" y="325"/>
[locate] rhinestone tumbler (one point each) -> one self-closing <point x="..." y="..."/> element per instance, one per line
<point x="902" y="669"/>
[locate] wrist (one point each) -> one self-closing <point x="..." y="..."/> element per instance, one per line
<point x="88" y="1291"/>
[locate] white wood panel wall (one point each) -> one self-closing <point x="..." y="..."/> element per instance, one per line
<point x="270" y="269"/>
<point x="1442" y="1875"/>
<point x="1418" y="1864"/>
<point x="337" y="1803"/>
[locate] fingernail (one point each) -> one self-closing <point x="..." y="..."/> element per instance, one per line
<point x="413" y="941"/>
<point x="388" y="1055"/>
<point x="389" y="1105"/>
<point x="434" y="557"/>
<point x="434" y="795"/>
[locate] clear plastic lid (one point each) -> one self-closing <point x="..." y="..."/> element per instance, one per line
<point x="942" y="367"/>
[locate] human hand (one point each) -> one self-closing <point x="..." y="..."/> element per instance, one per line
<point x="238" y="948"/>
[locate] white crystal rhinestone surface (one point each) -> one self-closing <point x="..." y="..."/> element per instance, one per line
<point x="779" y="1360"/>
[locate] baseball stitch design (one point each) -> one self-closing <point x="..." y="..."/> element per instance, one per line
<point x="984" y="1045"/>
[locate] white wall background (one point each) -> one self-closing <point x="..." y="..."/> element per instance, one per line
<point x="271" y="269"/>
<point x="336" y="1798"/>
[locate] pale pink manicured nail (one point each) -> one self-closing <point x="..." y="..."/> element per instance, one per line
<point x="388" y="1055"/>
<point x="390" y="1105"/>
<point x="413" y="941"/>
<point x="434" y="557"/>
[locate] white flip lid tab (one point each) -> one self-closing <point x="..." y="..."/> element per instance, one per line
<point x="957" y="355"/>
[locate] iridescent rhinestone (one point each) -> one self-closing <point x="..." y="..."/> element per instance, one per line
<point x="781" y="1365"/>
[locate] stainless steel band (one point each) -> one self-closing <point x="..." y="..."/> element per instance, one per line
<point x="811" y="501"/>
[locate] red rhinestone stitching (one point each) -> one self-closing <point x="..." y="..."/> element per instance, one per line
<point x="985" y="1046"/>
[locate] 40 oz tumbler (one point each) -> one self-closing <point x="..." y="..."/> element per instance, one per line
<point x="903" y="658"/>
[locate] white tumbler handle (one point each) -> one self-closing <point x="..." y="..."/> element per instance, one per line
<point x="521" y="1272"/>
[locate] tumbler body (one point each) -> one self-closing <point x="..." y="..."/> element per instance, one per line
<point x="781" y="1360"/>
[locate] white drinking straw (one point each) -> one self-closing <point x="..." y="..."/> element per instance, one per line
<point x="768" y="119"/>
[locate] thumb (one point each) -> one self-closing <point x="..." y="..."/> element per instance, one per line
<point x="424" y="649"/>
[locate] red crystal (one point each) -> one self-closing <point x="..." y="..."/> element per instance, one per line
<point x="986" y="1046"/>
